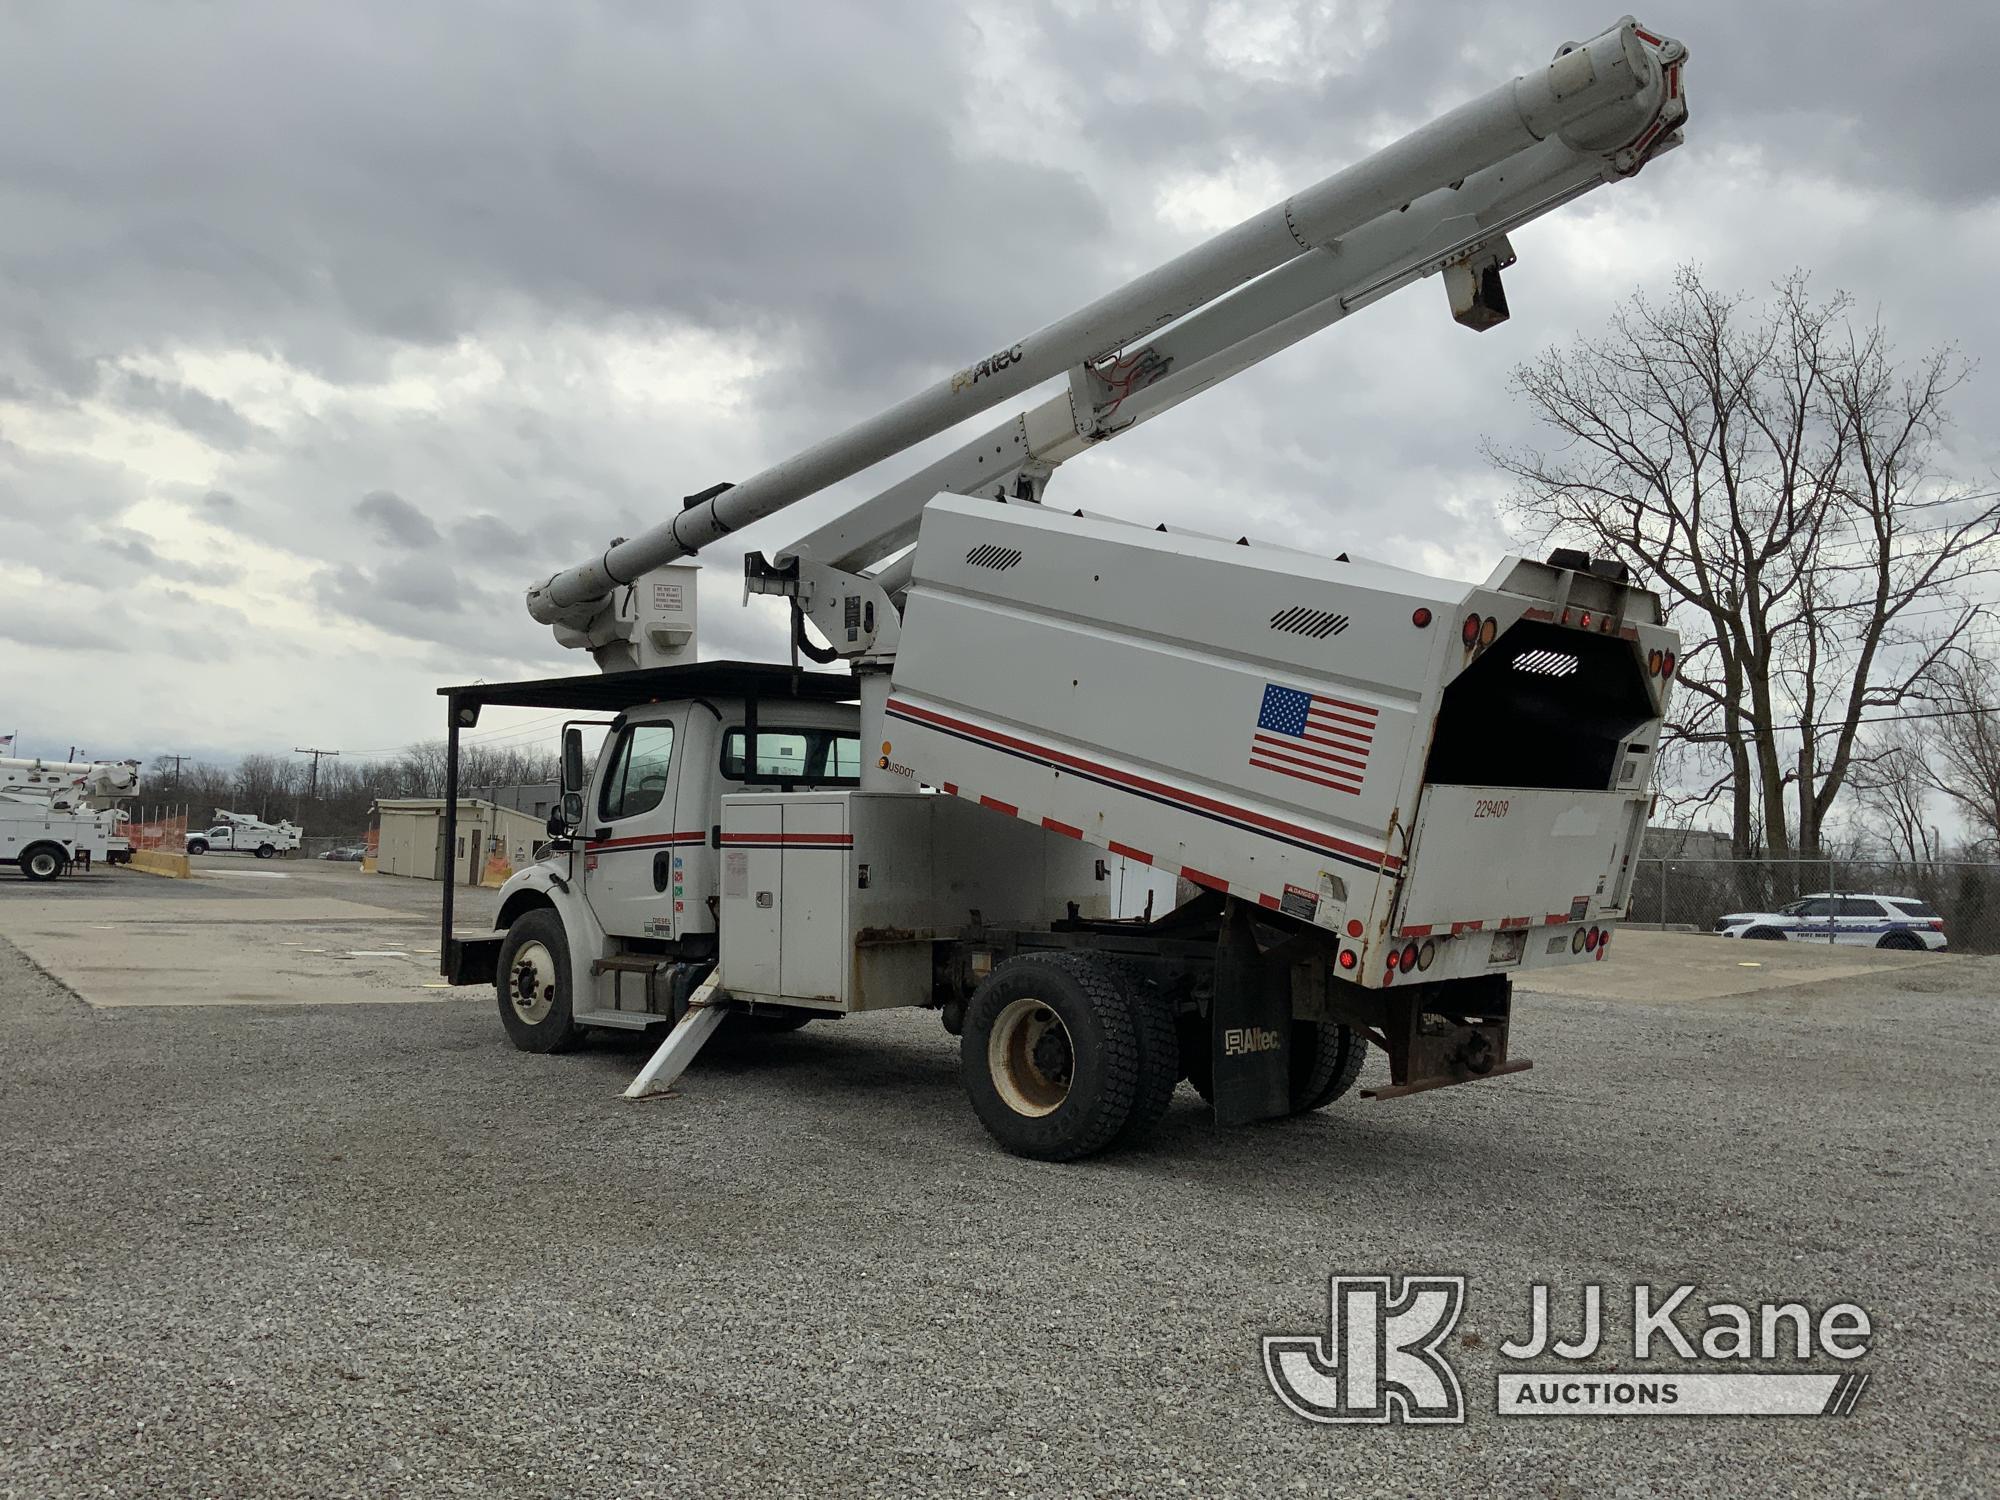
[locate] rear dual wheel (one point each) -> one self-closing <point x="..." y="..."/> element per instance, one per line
<point x="1065" y="1053"/>
<point x="1326" y="1060"/>
<point x="43" y="862"/>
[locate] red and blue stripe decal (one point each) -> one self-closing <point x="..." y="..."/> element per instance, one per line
<point x="1244" y="819"/>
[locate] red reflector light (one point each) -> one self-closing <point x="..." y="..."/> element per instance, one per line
<point x="1409" y="957"/>
<point x="1584" y="622"/>
<point x="1354" y="928"/>
<point x="1347" y="959"/>
<point x="1420" y="617"/>
<point x="1469" y="631"/>
<point x="1590" y="940"/>
<point x="1667" y="665"/>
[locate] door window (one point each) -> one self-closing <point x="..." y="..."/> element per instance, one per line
<point x="637" y="780"/>
<point x="1859" y="906"/>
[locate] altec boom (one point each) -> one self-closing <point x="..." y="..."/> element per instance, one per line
<point x="1379" y="794"/>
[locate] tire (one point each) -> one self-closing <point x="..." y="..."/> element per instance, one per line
<point x="1155" y="1031"/>
<point x="1326" y="1059"/>
<point x="42" y="862"/>
<point x="532" y="984"/>
<point x="265" y="851"/>
<point x="1904" y="941"/>
<point x="197" y="846"/>
<point x="1766" y="934"/>
<point x="1051" y="1056"/>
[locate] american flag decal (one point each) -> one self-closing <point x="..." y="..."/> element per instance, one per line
<point x="1311" y="737"/>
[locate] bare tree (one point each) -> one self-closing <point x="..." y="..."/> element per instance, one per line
<point x="1956" y="753"/>
<point x="1892" y="787"/>
<point x="1770" y="471"/>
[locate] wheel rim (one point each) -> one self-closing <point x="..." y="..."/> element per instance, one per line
<point x="1031" y="1057"/>
<point x="42" y="864"/>
<point x="531" y="983"/>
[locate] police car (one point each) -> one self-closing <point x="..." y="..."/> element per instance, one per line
<point x="1862" y="921"/>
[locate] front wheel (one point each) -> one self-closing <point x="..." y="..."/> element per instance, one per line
<point x="1051" y="1056"/>
<point x="1766" y="934"/>
<point x="532" y="979"/>
<point x="43" y="863"/>
<point x="197" y="846"/>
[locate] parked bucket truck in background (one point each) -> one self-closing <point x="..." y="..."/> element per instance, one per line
<point x="97" y="788"/>
<point x="239" y="833"/>
<point x="1392" y="792"/>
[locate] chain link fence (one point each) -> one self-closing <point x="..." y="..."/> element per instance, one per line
<point x="1696" y="893"/>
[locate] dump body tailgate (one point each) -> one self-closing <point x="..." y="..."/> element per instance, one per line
<point x="1487" y="855"/>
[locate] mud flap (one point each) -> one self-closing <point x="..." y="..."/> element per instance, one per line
<point x="1250" y="1027"/>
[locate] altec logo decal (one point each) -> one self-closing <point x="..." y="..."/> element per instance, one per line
<point x="1382" y="1359"/>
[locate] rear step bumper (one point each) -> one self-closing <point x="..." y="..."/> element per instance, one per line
<point x="1425" y="1085"/>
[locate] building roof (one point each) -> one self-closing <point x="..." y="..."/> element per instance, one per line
<point x="613" y="692"/>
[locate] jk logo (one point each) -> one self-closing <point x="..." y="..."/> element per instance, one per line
<point x="1379" y="1360"/>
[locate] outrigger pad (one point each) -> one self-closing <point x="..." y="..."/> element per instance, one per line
<point x="1250" y="1027"/>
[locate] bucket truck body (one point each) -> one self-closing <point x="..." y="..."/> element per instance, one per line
<point x="1370" y="796"/>
<point x="44" y="840"/>
<point x="99" y="787"/>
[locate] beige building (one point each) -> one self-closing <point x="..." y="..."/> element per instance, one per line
<point x="491" y="841"/>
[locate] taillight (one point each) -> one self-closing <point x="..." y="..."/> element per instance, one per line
<point x="1420" y="617"/>
<point x="1409" y="957"/>
<point x="1393" y="959"/>
<point x="1469" y="631"/>
<point x="1584" y="623"/>
<point x="1347" y="958"/>
<point x="1667" y="665"/>
<point x="1937" y="927"/>
<point x="1590" y="940"/>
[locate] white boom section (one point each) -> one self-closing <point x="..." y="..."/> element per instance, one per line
<point x="68" y="782"/>
<point x="1613" y="100"/>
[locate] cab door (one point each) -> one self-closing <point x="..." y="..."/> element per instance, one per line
<point x="630" y="837"/>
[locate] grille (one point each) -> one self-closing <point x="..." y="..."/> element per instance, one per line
<point x="1316" y="623"/>
<point x="989" y="556"/>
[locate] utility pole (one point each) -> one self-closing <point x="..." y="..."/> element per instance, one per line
<point x="176" y="759"/>
<point x="312" y="791"/>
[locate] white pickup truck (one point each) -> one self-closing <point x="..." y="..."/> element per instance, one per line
<point x="239" y="833"/>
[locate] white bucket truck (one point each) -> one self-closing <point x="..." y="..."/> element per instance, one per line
<point x="1392" y="792"/>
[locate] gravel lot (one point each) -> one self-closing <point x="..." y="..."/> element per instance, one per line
<point x="373" y="1251"/>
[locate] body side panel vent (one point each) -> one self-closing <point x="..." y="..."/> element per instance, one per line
<point x="1318" y="624"/>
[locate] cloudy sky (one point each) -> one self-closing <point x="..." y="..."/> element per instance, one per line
<point x="324" y="329"/>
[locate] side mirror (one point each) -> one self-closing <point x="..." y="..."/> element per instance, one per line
<point x="572" y="766"/>
<point x="572" y="808"/>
